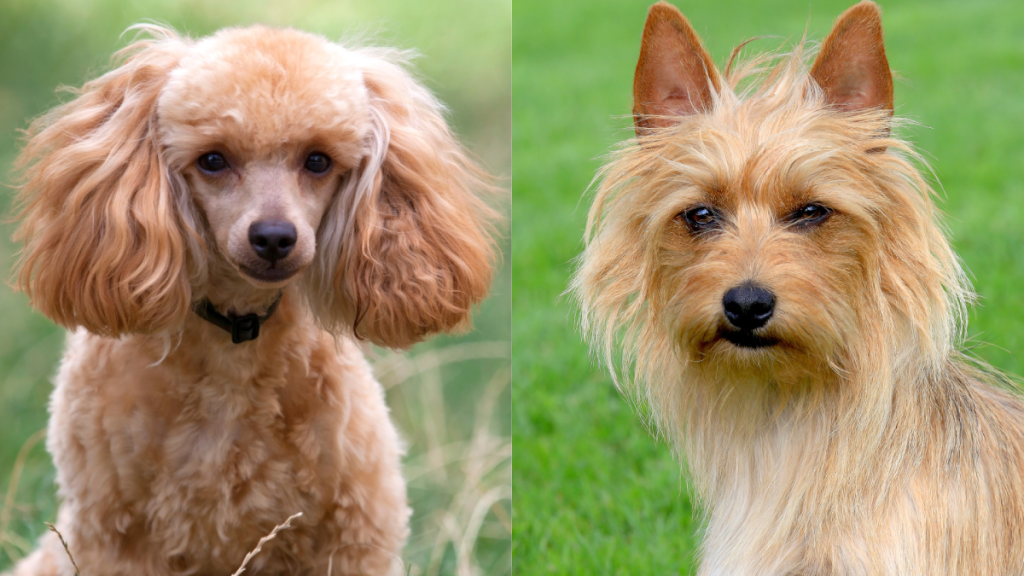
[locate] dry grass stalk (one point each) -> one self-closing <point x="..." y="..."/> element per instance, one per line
<point x="7" y="537"/>
<point x="485" y="480"/>
<point x="467" y="472"/>
<point x="259" y="546"/>
<point x="65" y="544"/>
<point x="432" y="397"/>
<point x="394" y="368"/>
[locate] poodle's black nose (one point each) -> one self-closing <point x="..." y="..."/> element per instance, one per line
<point x="272" y="240"/>
<point x="748" y="307"/>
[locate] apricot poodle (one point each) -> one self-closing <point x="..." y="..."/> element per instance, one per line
<point x="219" y="222"/>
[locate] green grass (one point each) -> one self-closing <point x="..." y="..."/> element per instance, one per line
<point x="594" y="492"/>
<point x="450" y="396"/>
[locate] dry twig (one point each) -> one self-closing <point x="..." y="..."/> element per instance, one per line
<point x="65" y="544"/>
<point x="259" y="546"/>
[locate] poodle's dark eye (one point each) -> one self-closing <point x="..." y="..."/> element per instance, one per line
<point x="700" y="219"/>
<point x="212" y="162"/>
<point x="318" y="163"/>
<point x="810" y="215"/>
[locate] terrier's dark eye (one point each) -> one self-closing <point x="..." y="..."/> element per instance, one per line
<point x="318" y="163"/>
<point x="810" y="215"/>
<point x="700" y="218"/>
<point x="212" y="162"/>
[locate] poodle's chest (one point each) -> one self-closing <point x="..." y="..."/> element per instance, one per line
<point x="239" y="450"/>
<point x="233" y="481"/>
<point x="251" y="457"/>
<point x="196" y="464"/>
<point x="231" y="458"/>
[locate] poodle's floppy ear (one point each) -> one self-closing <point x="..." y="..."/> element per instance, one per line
<point x="104" y="243"/>
<point x="418" y="247"/>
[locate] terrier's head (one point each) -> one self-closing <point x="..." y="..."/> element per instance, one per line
<point x="764" y="224"/>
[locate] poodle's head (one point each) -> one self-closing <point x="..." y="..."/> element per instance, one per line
<point x="232" y="166"/>
<point x="262" y="126"/>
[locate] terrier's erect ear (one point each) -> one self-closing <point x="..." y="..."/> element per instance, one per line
<point x="675" y="75"/>
<point x="105" y="246"/>
<point x="851" y="67"/>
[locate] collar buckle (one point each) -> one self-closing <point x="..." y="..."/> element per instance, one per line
<point x="244" y="328"/>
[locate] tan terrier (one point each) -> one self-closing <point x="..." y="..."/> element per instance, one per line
<point x="767" y="261"/>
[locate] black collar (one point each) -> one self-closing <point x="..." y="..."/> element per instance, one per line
<point x="241" y="328"/>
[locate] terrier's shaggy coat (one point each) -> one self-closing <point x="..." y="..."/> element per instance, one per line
<point x="769" y="263"/>
<point x="158" y="188"/>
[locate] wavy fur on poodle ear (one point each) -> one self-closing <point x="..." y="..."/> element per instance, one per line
<point x="105" y="243"/>
<point x="408" y="247"/>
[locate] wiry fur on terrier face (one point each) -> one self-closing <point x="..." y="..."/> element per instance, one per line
<point x="765" y="231"/>
<point x="164" y="181"/>
<point x="768" y="261"/>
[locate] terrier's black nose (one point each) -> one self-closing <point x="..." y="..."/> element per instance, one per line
<point x="272" y="240"/>
<point x="748" y="307"/>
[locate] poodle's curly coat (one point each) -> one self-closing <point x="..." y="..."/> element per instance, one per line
<point x="176" y="450"/>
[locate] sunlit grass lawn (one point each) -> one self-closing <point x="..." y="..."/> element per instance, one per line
<point x="594" y="492"/>
<point x="450" y="397"/>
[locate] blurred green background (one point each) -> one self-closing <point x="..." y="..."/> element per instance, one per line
<point x="594" y="492"/>
<point x="450" y="396"/>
